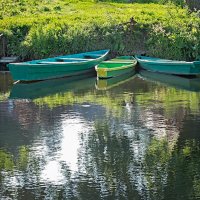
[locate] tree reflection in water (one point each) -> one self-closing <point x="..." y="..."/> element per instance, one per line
<point x="132" y="149"/>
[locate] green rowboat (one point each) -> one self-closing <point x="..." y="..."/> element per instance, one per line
<point x="169" y="66"/>
<point x="116" y="67"/>
<point x="61" y="66"/>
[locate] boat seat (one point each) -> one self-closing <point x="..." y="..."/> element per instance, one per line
<point x="61" y="61"/>
<point x="119" y="61"/>
<point x="47" y="62"/>
<point x="92" y="56"/>
<point x="64" y="59"/>
<point x="95" y="55"/>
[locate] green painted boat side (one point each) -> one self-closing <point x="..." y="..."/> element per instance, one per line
<point x="61" y="66"/>
<point x="169" y="66"/>
<point x="189" y="84"/>
<point x="116" y="67"/>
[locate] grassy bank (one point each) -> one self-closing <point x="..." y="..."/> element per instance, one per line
<point x="37" y="30"/>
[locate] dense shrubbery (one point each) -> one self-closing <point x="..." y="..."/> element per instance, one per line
<point x="176" y="39"/>
<point x="192" y="4"/>
<point x="62" y="27"/>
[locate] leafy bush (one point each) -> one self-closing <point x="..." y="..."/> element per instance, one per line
<point x="160" y="30"/>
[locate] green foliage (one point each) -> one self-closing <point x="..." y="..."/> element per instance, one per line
<point x="157" y="153"/>
<point x="23" y="157"/>
<point x="180" y="40"/>
<point x="6" y="161"/>
<point x="171" y="99"/>
<point x="59" y="27"/>
<point x="184" y="171"/>
<point x="4" y="96"/>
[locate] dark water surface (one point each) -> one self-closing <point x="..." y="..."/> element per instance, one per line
<point x="134" y="138"/>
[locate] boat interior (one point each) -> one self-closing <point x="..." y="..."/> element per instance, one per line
<point x="68" y="59"/>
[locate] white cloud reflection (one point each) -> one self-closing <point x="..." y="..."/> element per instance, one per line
<point x="68" y="151"/>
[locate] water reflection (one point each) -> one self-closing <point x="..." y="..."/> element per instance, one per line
<point x="5" y="85"/>
<point x="104" y="84"/>
<point x="186" y="83"/>
<point x="50" y="87"/>
<point x="137" y="140"/>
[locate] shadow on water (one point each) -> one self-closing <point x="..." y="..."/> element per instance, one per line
<point x="190" y="84"/>
<point x="105" y="84"/>
<point x="49" y="87"/>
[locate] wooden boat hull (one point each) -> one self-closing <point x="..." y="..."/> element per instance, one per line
<point x="116" y="67"/>
<point x="179" y="82"/>
<point x="169" y="66"/>
<point x="57" y="67"/>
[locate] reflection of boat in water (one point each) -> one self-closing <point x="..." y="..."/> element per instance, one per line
<point x="104" y="84"/>
<point x="191" y="84"/>
<point x="49" y="87"/>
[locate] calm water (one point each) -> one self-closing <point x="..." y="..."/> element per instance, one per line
<point x="134" y="138"/>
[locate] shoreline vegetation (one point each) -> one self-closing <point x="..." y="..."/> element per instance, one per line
<point x="36" y="30"/>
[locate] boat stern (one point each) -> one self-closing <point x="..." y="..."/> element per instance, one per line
<point x="101" y="72"/>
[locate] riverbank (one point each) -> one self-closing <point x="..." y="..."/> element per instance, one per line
<point x="54" y="28"/>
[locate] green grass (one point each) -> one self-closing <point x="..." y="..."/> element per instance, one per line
<point x="42" y="29"/>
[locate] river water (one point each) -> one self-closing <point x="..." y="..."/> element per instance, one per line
<point x="133" y="137"/>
